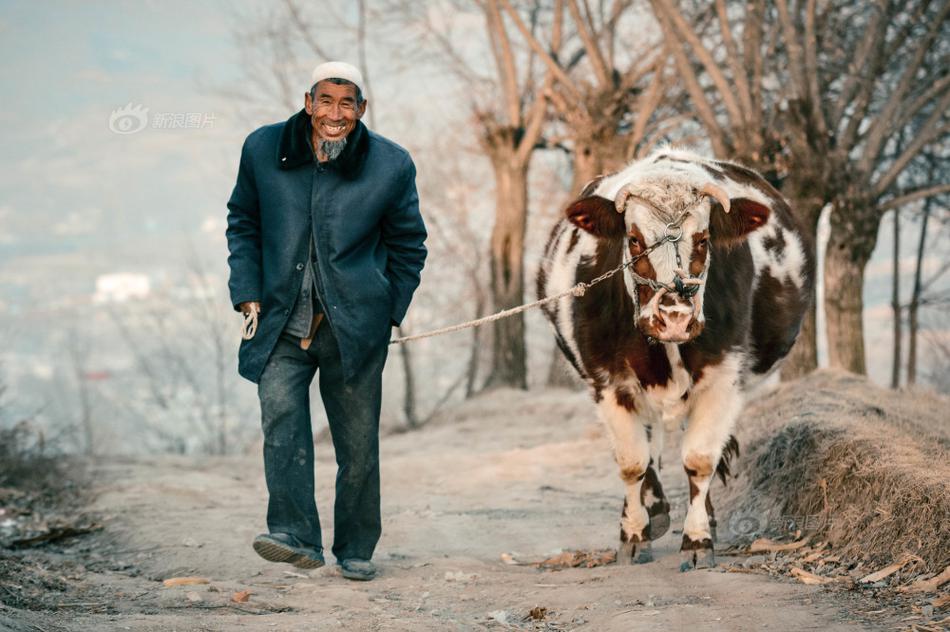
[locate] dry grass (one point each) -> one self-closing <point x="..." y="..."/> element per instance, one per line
<point x="869" y="468"/>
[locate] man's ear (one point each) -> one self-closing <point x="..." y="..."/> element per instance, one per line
<point x="361" y="109"/>
<point x="744" y="216"/>
<point x="597" y="215"/>
<point x="308" y="103"/>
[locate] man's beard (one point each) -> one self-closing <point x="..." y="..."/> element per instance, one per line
<point x="332" y="148"/>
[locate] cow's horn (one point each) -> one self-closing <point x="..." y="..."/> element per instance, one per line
<point x="621" y="200"/>
<point x="717" y="194"/>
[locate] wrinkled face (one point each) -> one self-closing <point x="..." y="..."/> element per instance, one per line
<point x="663" y="315"/>
<point x="333" y="110"/>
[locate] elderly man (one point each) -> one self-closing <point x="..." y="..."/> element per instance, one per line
<point x="326" y="248"/>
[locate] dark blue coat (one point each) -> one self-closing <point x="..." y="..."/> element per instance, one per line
<point x="363" y="210"/>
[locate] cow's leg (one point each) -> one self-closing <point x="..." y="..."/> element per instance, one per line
<point x="653" y="498"/>
<point x="715" y="408"/>
<point x="632" y="453"/>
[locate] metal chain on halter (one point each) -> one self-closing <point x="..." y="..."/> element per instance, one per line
<point x="580" y="288"/>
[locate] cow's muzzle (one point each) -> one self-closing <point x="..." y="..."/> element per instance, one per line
<point x="670" y="318"/>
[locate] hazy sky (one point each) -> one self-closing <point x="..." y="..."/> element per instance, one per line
<point x="70" y="183"/>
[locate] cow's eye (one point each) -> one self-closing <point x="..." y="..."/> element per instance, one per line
<point x="634" y="242"/>
<point x="702" y="242"/>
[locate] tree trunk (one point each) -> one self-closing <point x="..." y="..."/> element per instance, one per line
<point x="587" y="165"/>
<point x="561" y="374"/>
<point x="853" y="235"/>
<point x="915" y="299"/>
<point x="471" y="377"/>
<point x="803" y="358"/>
<point x="507" y="275"/>
<point x="409" y="384"/>
<point x="844" y="301"/>
<point x="896" y="303"/>
<point x="807" y="206"/>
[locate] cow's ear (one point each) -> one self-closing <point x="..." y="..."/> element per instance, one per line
<point x="744" y="216"/>
<point x="597" y="215"/>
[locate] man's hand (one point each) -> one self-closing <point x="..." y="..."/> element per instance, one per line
<point x="250" y="309"/>
<point x="249" y="306"/>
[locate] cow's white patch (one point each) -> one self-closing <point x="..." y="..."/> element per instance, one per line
<point x="561" y="269"/>
<point x="715" y="404"/>
<point x="786" y="265"/>
<point x="628" y="437"/>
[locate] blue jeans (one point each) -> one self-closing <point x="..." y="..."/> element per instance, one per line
<point x="353" y="412"/>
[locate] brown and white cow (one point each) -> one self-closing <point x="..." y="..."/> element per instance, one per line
<point x="686" y="331"/>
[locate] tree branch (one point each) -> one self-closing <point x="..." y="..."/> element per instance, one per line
<point x="703" y="108"/>
<point x="678" y="23"/>
<point x="732" y="54"/>
<point x="811" y="70"/>
<point x="505" y="60"/>
<point x="593" y="51"/>
<point x="913" y="196"/>
<point x="929" y="131"/>
<point x="535" y="122"/>
<point x="872" y="36"/>
<point x="882" y="125"/>
<point x="796" y="66"/>
<point x="533" y="42"/>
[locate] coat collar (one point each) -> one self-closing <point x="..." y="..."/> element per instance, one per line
<point x="295" y="150"/>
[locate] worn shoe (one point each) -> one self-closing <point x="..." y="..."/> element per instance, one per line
<point x="360" y="570"/>
<point x="283" y="547"/>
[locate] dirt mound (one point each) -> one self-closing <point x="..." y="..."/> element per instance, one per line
<point x="844" y="461"/>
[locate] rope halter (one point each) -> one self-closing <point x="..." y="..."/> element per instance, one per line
<point x="684" y="284"/>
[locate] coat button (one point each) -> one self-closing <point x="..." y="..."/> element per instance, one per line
<point x="299" y="267"/>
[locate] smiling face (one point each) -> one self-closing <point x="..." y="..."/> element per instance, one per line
<point x="334" y="110"/>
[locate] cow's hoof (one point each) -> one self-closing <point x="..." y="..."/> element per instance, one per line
<point x="644" y="553"/>
<point x="697" y="554"/>
<point x="705" y="558"/>
<point x="625" y="553"/>
<point x="634" y="552"/>
<point x="659" y="524"/>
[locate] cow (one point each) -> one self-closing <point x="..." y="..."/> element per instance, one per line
<point x="715" y="279"/>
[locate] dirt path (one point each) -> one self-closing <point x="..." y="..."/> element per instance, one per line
<point x="512" y="473"/>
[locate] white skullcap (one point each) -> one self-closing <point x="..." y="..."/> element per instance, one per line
<point x="337" y="70"/>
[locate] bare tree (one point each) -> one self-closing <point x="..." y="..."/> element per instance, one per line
<point x="509" y="133"/>
<point x="815" y="98"/>
<point x="606" y="92"/>
<point x="77" y="352"/>
<point x="919" y="295"/>
<point x="896" y="303"/>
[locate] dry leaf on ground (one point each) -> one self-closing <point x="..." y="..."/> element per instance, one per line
<point x="928" y="585"/>
<point x="538" y="613"/>
<point x="241" y="597"/>
<point x="575" y="559"/>
<point x="185" y="581"/>
<point x="764" y="544"/>
<point x="809" y="578"/>
<point x="887" y="571"/>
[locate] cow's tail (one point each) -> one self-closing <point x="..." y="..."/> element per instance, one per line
<point x="729" y="451"/>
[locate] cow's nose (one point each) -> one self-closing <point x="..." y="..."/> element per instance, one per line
<point x="674" y="320"/>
